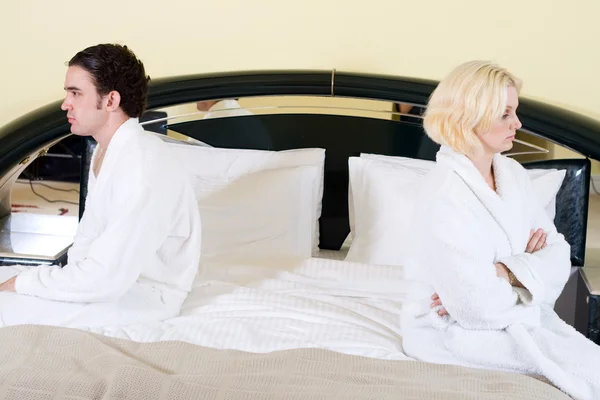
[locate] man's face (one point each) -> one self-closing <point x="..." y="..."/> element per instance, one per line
<point x="86" y="111"/>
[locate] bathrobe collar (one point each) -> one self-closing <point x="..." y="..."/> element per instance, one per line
<point x="505" y="204"/>
<point x="115" y="150"/>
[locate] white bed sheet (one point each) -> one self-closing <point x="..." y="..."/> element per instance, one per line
<point x="262" y="306"/>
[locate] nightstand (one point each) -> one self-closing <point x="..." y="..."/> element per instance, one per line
<point x="588" y="296"/>
<point x="34" y="239"/>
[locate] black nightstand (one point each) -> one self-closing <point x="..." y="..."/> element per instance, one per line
<point x="588" y="296"/>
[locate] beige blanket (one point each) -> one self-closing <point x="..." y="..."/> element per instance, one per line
<point x="52" y="363"/>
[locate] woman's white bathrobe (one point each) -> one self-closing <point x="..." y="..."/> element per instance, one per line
<point x="136" y="250"/>
<point x="461" y="228"/>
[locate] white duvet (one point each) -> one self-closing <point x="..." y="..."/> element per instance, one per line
<point x="263" y="306"/>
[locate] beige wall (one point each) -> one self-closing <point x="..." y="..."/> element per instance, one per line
<point x="552" y="45"/>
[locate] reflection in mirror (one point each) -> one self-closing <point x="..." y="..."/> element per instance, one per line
<point x="40" y="204"/>
<point x="222" y="108"/>
<point x="170" y="121"/>
<point x="278" y="105"/>
<point x="253" y="125"/>
<point x="170" y="117"/>
<point x="49" y="182"/>
<point x="530" y="147"/>
<point x="408" y="112"/>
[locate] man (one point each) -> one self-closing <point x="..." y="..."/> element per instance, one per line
<point x="137" y="247"/>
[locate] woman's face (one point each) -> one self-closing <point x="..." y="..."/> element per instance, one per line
<point x="502" y="133"/>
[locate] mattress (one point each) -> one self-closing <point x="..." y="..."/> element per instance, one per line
<point x="58" y="363"/>
<point x="272" y="305"/>
<point x="306" y="329"/>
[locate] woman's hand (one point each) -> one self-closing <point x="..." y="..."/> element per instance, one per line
<point x="437" y="302"/>
<point x="537" y="241"/>
<point x="502" y="271"/>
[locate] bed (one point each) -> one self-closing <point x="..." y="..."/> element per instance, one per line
<point x="311" y="309"/>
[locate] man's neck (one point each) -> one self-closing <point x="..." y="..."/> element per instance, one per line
<point x="106" y="133"/>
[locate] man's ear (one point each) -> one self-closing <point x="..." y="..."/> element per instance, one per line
<point x="113" y="100"/>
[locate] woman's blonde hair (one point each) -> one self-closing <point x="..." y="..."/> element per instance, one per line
<point x="466" y="102"/>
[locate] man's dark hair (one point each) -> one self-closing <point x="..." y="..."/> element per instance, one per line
<point x="115" y="67"/>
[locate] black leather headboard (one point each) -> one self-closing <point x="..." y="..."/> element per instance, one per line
<point x="571" y="203"/>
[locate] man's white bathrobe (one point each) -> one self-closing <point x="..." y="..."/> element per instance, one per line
<point x="136" y="250"/>
<point x="461" y="228"/>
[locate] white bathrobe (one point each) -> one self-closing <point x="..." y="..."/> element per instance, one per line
<point x="460" y="230"/>
<point x="136" y="250"/>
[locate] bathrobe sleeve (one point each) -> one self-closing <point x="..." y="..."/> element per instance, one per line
<point x="458" y="262"/>
<point x="137" y="224"/>
<point x="545" y="272"/>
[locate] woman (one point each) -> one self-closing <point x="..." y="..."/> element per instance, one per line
<point x="485" y="247"/>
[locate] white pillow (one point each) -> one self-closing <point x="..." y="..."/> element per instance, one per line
<point x="419" y="167"/>
<point x="382" y="198"/>
<point x="546" y="182"/>
<point x="266" y="213"/>
<point x="260" y="203"/>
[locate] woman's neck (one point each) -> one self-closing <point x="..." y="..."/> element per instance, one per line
<point x="483" y="163"/>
